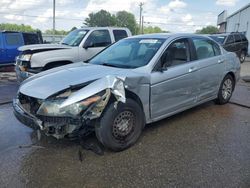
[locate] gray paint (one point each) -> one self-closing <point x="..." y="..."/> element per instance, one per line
<point x="161" y="93"/>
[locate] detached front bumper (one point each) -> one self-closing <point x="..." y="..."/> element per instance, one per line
<point x="24" y="117"/>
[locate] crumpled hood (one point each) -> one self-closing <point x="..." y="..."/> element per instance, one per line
<point x="43" y="47"/>
<point x="52" y="81"/>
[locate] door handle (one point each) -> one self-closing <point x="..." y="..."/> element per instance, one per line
<point x="221" y="61"/>
<point x="192" y="69"/>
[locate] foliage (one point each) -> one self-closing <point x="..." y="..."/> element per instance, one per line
<point x="155" y="29"/>
<point x="208" y="30"/>
<point x="121" y="19"/>
<point x="73" y="28"/>
<point x="16" y="27"/>
<point x="100" y="19"/>
<point x="57" y="32"/>
<point x="126" y="19"/>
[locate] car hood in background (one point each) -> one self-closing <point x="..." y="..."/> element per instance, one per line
<point x="43" y="47"/>
<point x="48" y="83"/>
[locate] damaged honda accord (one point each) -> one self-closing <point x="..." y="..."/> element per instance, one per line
<point x="136" y="81"/>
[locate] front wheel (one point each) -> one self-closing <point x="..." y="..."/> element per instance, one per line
<point x="121" y="125"/>
<point x="226" y="90"/>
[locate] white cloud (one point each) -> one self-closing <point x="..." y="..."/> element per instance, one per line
<point x="113" y="5"/>
<point x="177" y="4"/>
<point x="226" y="2"/>
<point x="13" y="17"/>
<point x="48" y="14"/>
<point x="187" y="18"/>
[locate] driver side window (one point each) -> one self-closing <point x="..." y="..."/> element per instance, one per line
<point x="176" y="54"/>
<point x="99" y="38"/>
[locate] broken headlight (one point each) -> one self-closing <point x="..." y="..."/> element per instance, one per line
<point x="52" y="107"/>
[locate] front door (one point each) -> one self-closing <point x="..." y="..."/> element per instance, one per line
<point x="96" y="41"/>
<point x="2" y="50"/>
<point x="175" y="87"/>
<point x="12" y="42"/>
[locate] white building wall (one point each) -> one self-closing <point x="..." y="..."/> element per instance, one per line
<point x="240" y="22"/>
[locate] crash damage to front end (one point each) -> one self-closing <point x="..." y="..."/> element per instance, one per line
<point x="69" y="112"/>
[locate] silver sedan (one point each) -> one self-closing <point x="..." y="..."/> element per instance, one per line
<point x="138" y="80"/>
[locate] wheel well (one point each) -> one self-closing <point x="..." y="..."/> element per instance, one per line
<point x="233" y="76"/>
<point x="55" y="64"/>
<point x="134" y="97"/>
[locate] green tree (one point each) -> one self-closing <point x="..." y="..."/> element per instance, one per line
<point x="73" y="28"/>
<point x="155" y="29"/>
<point x="126" y="19"/>
<point x="57" y="32"/>
<point x="16" y="27"/>
<point x="208" y="30"/>
<point x="100" y="19"/>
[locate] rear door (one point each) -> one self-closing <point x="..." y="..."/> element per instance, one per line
<point x="230" y="44"/>
<point x="211" y="67"/>
<point x="238" y="44"/>
<point x="12" y="41"/>
<point x="119" y="34"/>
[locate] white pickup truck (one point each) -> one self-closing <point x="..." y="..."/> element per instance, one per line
<point x="78" y="45"/>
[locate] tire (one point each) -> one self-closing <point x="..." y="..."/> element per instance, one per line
<point x="242" y="56"/>
<point x="109" y="130"/>
<point x="226" y="90"/>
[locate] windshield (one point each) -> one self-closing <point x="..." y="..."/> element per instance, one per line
<point x="219" y="39"/>
<point x="129" y="53"/>
<point x="74" y="38"/>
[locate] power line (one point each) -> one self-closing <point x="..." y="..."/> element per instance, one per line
<point x="174" y="24"/>
<point x="33" y="16"/>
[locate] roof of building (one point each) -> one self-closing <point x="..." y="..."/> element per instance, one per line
<point x="240" y="10"/>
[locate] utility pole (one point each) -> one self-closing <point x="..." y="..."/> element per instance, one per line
<point x="54" y="21"/>
<point x="140" y="24"/>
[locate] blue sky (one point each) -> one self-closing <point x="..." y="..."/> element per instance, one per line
<point x="171" y="15"/>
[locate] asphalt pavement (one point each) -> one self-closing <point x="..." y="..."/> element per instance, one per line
<point x="207" y="146"/>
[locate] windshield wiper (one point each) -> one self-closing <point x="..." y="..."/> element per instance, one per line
<point x="65" y="43"/>
<point x="109" y="65"/>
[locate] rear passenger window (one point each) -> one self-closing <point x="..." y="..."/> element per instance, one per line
<point x="237" y="38"/>
<point x="120" y="34"/>
<point x="230" y="39"/>
<point x="204" y="48"/>
<point x="99" y="38"/>
<point x="243" y="38"/>
<point x="30" y="38"/>
<point x="13" y="39"/>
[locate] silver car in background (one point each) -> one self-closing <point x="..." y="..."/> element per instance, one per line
<point x="138" y="80"/>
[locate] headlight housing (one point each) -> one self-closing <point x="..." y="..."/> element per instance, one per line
<point x="52" y="107"/>
<point x="25" y="57"/>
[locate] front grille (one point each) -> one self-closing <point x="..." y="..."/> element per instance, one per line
<point x="30" y="104"/>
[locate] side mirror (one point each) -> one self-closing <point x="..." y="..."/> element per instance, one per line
<point x="88" y="44"/>
<point x="162" y="69"/>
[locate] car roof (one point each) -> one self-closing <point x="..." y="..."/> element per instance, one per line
<point x="92" y="28"/>
<point x="167" y="35"/>
<point x="220" y="34"/>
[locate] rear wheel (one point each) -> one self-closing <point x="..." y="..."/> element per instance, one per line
<point x="242" y="56"/>
<point x="226" y="90"/>
<point x="120" y="126"/>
